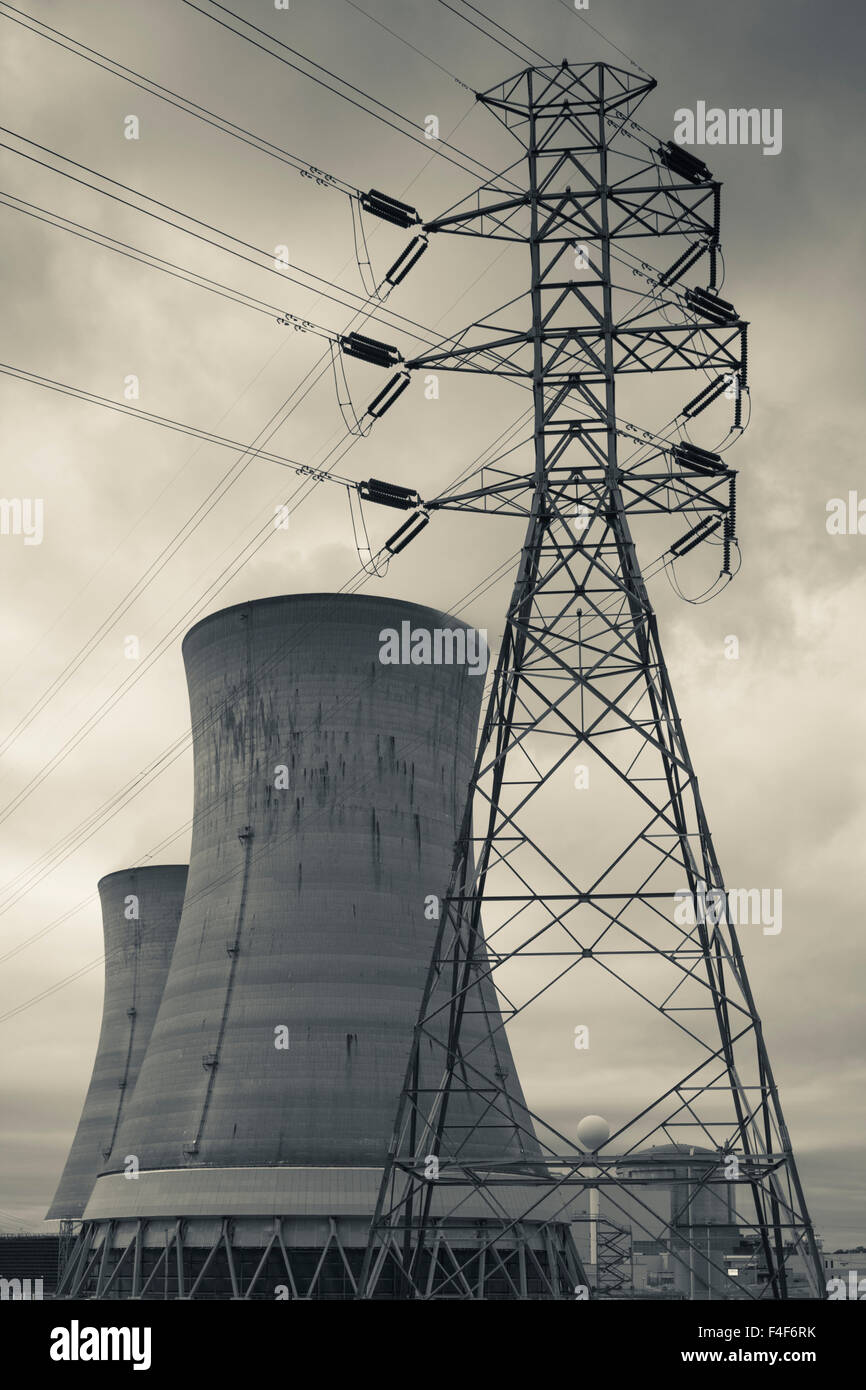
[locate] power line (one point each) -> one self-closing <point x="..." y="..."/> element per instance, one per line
<point x="154" y="262"/>
<point x="155" y="89"/>
<point x="130" y="410"/>
<point x="187" y="216"/>
<point x="94" y="897"/>
<point x="175" y="749"/>
<point x="66" y="224"/>
<point x="52" y="989"/>
<point x="193" y="522"/>
<point x="165" y="220"/>
<point x="179" y="746"/>
<point x="356" y="581"/>
<point x="576" y="14"/>
<point x="191" y="525"/>
<point x="109" y="240"/>
<point x="122" y="248"/>
<point x="46" y="149"/>
<point x="16" y="1221"/>
<point x="229" y="478"/>
<point x="149" y="417"/>
<point x="254" y="544"/>
<point x="64" y="389"/>
<point x="402" y="322"/>
<point x="478" y="590"/>
<point x="419" y="51"/>
<point x="409" y="134"/>
<point x="196" y="518"/>
<point x="91" y="965"/>
<point x="75" y="664"/>
<point x="158" y="765"/>
<point x="175" y="474"/>
<point x="498" y="25"/>
<point x="502" y="44"/>
<point x="44" y="931"/>
<point x="321" y="363"/>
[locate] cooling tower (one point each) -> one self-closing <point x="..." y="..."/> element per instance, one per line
<point x="140" y="915"/>
<point x="330" y="777"/>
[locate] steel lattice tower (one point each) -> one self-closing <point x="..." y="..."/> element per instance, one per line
<point x="580" y="672"/>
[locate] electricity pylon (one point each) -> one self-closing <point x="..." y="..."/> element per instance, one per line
<point x="704" y="1165"/>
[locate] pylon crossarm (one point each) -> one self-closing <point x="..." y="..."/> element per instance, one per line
<point x="457" y="219"/>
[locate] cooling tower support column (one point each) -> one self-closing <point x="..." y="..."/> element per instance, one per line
<point x="333" y="743"/>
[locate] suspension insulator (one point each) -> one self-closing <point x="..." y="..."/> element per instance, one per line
<point x="389" y="209"/>
<point x="705" y="398"/>
<point x="743" y="379"/>
<point x="680" y="162"/>
<point x="684" y="263"/>
<point x="407" y="532"/>
<point x="370" y="350"/>
<point x="717" y="212"/>
<point x="406" y="260"/>
<point x="744" y="357"/>
<point x="690" y="456"/>
<point x="710" y="306"/>
<point x="715" y="240"/>
<point x="388" y="395"/>
<point x="388" y="494"/>
<point x="696" y="535"/>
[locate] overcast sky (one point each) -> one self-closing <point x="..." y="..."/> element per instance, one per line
<point x="776" y="735"/>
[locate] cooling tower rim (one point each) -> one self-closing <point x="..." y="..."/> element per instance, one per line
<point x="142" y="869"/>
<point x="284" y="1190"/>
<point x="351" y="599"/>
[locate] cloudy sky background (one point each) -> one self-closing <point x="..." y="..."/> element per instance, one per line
<point x="776" y="736"/>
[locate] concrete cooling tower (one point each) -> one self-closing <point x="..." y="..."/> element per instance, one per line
<point x="330" y="778"/>
<point x="140" y="916"/>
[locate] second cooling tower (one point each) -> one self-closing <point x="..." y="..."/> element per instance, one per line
<point x="331" y="769"/>
<point x="140" y="915"/>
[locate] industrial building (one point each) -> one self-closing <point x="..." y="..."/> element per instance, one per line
<point x="329" y="787"/>
<point x="681" y="1212"/>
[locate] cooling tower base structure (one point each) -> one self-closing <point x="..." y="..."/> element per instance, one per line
<point x="298" y="1252"/>
<point x="333" y="741"/>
